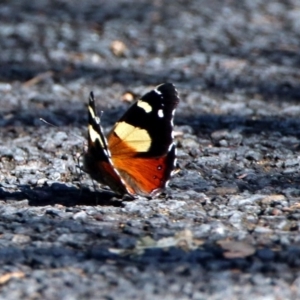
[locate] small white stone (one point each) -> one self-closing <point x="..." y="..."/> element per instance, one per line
<point x="80" y="215"/>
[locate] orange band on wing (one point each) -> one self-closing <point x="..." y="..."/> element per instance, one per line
<point x="144" y="175"/>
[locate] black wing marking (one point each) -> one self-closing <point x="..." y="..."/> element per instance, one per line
<point x="154" y="112"/>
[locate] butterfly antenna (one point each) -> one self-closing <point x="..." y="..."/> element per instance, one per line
<point x="79" y="174"/>
<point x="50" y="124"/>
<point x="76" y="157"/>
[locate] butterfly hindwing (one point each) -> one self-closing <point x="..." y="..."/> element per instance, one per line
<point x="97" y="142"/>
<point x="147" y="176"/>
<point x="97" y="160"/>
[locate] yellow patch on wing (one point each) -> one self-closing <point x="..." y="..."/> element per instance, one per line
<point x="144" y="105"/>
<point x="136" y="138"/>
<point x="92" y="112"/>
<point x="94" y="135"/>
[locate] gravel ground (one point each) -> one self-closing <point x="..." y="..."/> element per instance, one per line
<point x="228" y="226"/>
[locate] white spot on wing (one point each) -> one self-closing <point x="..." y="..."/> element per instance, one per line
<point x="160" y="113"/>
<point x="97" y="120"/>
<point x="108" y="152"/>
<point x="175" y="162"/>
<point x="170" y="147"/>
<point x="157" y="91"/>
<point x="144" y="105"/>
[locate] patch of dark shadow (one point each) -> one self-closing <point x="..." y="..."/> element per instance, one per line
<point x="278" y="56"/>
<point x="275" y="181"/>
<point x="208" y="123"/>
<point x="13" y="71"/>
<point x="4" y="195"/>
<point x="100" y="253"/>
<point x="59" y="193"/>
<point x="210" y="257"/>
<point x="171" y="260"/>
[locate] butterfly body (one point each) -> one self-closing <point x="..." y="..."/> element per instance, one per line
<point x="138" y="155"/>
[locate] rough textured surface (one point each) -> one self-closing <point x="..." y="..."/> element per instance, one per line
<point x="228" y="227"/>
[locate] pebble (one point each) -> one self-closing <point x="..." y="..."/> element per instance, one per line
<point x="21" y="239"/>
<point x="80" y="216"/>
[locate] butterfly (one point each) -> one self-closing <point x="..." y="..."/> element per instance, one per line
<point x="138" y="155"/>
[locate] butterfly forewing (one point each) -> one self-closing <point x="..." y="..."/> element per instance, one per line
<point x="148" y="124"/>
<point x="141" y="143"/>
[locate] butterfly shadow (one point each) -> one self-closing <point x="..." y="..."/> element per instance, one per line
<point x="59" y="193"/>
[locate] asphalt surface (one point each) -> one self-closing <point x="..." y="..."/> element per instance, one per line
<point x="228" y="226"/>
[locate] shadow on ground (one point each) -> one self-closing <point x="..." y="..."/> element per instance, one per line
<point x="61" y="194"/>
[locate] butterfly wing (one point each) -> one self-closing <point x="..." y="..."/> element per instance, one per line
<point x="141" y="142"/>
<point x="97" y="160"/>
